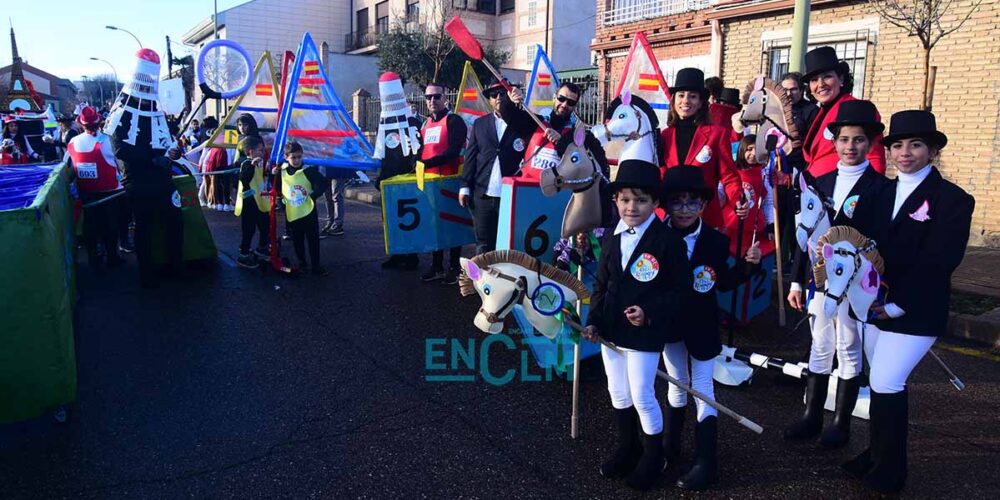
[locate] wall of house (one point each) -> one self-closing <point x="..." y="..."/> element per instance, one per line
<point x="966" y="97"/>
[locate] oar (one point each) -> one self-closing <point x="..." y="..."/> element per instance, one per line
<point x="745" y="422"/>
<point x="468" y="43"/>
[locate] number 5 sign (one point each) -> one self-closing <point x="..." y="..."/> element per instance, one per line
<point x="530" y="221"/>
<point x="415" y="221"/>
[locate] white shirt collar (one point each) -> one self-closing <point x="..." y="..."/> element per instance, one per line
<point x="639" y="230"/>
<point x="915" y="177"/>
<point x="852" y="169"/>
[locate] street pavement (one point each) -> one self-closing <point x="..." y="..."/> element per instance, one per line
<point x="241" y="383"/>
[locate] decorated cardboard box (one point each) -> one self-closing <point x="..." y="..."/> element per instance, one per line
<point x="416" y="221"/>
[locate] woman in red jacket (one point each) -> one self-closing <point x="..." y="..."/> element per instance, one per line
<point x="830" y="83"/>
<point x="691" y="139"/>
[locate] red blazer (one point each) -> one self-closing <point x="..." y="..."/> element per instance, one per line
<point x="710" y="143"/>
<point x="817" y="147"/>
<point x="721" y="114"/>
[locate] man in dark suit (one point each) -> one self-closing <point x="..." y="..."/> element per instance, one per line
<point x="494" y="152"/>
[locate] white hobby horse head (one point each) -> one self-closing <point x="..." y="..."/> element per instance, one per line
<point x="848" y="265"/>
<point x="631" y="119"/>
<point x="505" y="278"/>
<point x="813" y="219"/>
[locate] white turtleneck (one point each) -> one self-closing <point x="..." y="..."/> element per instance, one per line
<point x="906" y="184"/>
<point x="847" y="177"/>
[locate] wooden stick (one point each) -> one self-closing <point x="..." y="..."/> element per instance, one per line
<point x="740" y="419"/>
<point x="574" y="429"/>
<point x="500" y="78"/>
<point x="777" y="243"/>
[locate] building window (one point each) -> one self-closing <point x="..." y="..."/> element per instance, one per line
<point x="382" y="16"/>
<point x="533" y="13"/>
<point x="529" y="53"/>
<point x="412" y="10"/>
<point x="486" y="6"/>
<point x="627" y="11"/>
<point x="506" y="6"/>
<point x="853" y="51"/>
<point x="362" y="21"/>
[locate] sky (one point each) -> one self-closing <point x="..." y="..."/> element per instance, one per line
<point x="63" y="38"/>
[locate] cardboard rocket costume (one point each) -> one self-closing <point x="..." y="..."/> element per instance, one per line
<point x="394" y="128"/>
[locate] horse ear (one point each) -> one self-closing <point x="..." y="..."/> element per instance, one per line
<point x="758" y="83"/>
<point x="471" y="269"/>
<point x="627" y="97"/>
<point x="579" y="134"/>
<point x="802" y="183"/>
<point x="828" y="251"/>
<point x="870" y="280"/>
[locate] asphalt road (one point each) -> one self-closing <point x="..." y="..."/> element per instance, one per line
<point x="237" y="383"/>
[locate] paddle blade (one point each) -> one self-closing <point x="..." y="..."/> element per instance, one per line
<point x="465" y="40"/>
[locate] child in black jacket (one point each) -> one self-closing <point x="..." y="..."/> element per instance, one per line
<point x="300" y="187"/>
<point x="641" y="277"/>
<point x="695" y="334"/>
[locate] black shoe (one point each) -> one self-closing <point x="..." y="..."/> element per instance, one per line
<point x="322" y="235"/>
<point x="432" y="275"/>
<point x="335" y="231"/>
<point x="626" y="456"/>
<point x="839" y="432"/>
<point x="320" y="271"/>
<point x="262" y="252"/>
<point x="286" y="237"/>
<point x="126" y="247"/>
<point x="248" y="261"/>
<point x="672" y="437"/>
<point x="811" y="423"/>
<point x="450" y="277"/>
<point x="889" y="421"/>
<point x="393" y="262"/>
<point x="706" y="467"/>
<point x="650" y="467"/>
<point x="859" y="465"/>
<point x="410" y="262"/>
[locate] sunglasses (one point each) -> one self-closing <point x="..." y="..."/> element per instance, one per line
<point x="566" y="100"/>
<point x="493" y="94"/>
<point x="431" y="97"/>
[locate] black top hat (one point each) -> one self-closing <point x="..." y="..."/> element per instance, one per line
<point x="637" y="174"/>
<point x="914" y="123"/>
<point x="858" y="112"/>
<point x="730" y="97"/>
<point x="822" y="59"/>
<point x="686" y="179"/>
<point x="690" y="79"/>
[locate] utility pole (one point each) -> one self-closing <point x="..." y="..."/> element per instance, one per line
<point x="170" y="59"/>
<point x="215" y="31"/>
<point x="800" y="35"/>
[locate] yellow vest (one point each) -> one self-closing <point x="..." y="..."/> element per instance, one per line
<point x="296" y="188"/>
<point x="257" y="186"/>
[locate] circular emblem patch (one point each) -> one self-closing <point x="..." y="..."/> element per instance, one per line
<point x="645" y="268"/>
<point x="176" y="199"/>
<point x="704" y="155"/>
<point x="704" y="279"/>
<point x="849" y="205"/>
<point x="519" y="145"/>
<point x="827" y="134"/>
<point x="392" y="140"/>
<point x="298" y="196"/>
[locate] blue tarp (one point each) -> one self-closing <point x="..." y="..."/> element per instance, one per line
<point x="19" y="184"/>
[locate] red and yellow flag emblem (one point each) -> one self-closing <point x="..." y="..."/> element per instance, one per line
<point x="311" y="68"/>
<point x="648" y="81"/>
<point x="263" y="89"/>
<point x="544" y="80"/>
<point x="470" y="95"/>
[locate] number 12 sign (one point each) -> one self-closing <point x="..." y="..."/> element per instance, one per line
<point x="415" y="221"/>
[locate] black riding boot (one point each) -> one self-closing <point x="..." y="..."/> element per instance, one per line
<point x="890" y="419"/>
<point x="811" y="423"/>
<point x="706" y="466"/>
<point x="650" y="467"/>
<point x="839" y="432"/>
<point x="627" y="454"/>
<point x="675" y="429"/>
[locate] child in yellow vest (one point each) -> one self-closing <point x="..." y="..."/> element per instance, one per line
<point x="253" y="201"/>
<point x="300" y="187"/>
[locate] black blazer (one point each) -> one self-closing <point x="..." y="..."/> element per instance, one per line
<point x="484" y="147"/>
<point x="659" y="298"/>
<point x="870" y="181"/>
<point x="920" y="256"/>
<point x="698" y="326"/>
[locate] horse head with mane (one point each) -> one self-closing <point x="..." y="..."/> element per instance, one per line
<point x="813" y="219"/>
<point x="631" y="119"/>
<point x="579" y="171"/>
<point x="765" y="104"/>
<point x="848" y="265"/>
<point x="505" y="278"/>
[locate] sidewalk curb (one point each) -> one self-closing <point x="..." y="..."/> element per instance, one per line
<point x="365" y="195"/>
<point x="982" y="328"/>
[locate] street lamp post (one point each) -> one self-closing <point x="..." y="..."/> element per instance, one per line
<point x="115" y="28"/>
<point x="113" y="70"/>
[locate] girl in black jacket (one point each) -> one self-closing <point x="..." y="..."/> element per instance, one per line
<point x="695" y="334"/>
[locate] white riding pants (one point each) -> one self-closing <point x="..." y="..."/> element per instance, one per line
<point x="833" y="335"/>
<point x="892" y="357"/>
<point x="631" y="376"/>
<point x="675" y="357"/>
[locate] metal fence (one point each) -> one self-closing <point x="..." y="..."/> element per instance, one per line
<point x="627" y="11"/>
<point x="589" y="109"/>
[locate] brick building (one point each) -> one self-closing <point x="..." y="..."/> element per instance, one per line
<point x="738" y="39"/>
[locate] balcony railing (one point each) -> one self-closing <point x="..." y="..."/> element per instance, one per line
<point x="628" y="11"/>
<point x="360" y="39"/>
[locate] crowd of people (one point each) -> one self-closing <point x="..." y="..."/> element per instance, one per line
<point x="678" y="216"/>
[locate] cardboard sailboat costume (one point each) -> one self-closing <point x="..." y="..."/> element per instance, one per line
<point x="260" y="101"/>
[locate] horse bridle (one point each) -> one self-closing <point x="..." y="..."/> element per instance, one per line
<point x="593" y="177"/>
<point x="636" y="133"/>
<point x="857" y="266"/>
<point x="826" y="212"/>
<point x="520" y="292"/>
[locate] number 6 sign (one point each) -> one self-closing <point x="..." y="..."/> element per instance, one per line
<point x="415" y="221"/>
<point x="529" y="221"/>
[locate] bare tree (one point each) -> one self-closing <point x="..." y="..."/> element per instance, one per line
<point x="922" y="19"/>
<point x="437" y="43"/>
